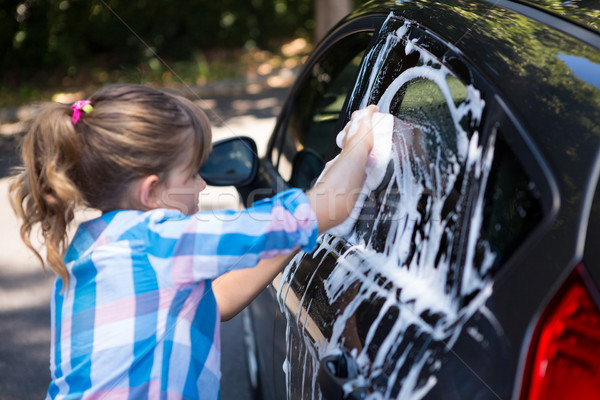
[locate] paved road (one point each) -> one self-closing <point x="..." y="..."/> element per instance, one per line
<point x="25" y="289"/>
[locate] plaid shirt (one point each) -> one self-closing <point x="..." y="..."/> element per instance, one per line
<point x="139" y="319"/>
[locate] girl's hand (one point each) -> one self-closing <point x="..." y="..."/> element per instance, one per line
<point x="335" y="193"/>
<point x="359" y="130"/>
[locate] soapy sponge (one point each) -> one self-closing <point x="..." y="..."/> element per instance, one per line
<point x="377" y="162"/>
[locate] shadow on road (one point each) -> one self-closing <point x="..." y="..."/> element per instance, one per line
<point x="24" y="333"/>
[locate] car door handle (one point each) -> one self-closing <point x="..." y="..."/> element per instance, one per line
<point x="336" y="371"/>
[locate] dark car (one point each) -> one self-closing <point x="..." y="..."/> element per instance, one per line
<point x="473" y="269"/>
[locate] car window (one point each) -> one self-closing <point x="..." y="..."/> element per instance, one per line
<point x="426" y="164"/>
<point x="317" y="103"/>
<point x="511" y="205"/>
<point x="452" y="203"/>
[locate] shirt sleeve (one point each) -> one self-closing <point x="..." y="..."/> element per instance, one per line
<point x="207" y="244"/>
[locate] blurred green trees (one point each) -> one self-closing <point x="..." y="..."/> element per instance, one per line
<point x="50" y="37"/>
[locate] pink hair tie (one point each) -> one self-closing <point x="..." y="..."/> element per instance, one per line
<point x="78" y="106"/>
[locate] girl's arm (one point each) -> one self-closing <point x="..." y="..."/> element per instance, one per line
<point x="236" y="289"/>
<point x="332" y="200"/>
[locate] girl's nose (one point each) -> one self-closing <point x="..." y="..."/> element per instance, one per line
<point x="200" y="183"/>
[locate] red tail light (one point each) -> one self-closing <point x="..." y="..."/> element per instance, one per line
<point x="564" y="357"/>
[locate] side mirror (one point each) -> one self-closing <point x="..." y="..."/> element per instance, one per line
<point x="232" y="162"/>
<point x="306" y="167"/>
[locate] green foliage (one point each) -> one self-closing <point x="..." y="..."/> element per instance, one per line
<point x="45" y="38"/>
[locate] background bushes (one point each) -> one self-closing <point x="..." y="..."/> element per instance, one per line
<point x="44" y="38"/>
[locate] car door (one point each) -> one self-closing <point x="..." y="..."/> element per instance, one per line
<point x="380" y="309"/>
<point x="295" y="157"/>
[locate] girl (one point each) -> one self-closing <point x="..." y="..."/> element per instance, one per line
<point x="135" y="311"/>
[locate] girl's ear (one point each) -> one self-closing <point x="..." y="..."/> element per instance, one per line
<point x="148" y="192"/>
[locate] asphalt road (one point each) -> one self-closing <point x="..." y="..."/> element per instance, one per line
<point x="25" y="288"/>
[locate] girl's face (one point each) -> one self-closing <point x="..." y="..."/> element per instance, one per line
<point x="181" y="190"/>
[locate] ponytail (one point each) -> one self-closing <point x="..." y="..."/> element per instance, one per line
<point x="44" y="191"/>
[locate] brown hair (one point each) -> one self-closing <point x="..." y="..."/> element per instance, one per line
<point x="133" y="131"/>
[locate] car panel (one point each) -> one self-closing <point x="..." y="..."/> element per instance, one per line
<point x="592" y="238"/>
<point x="425" y="346"/>
<point x="518" y="72"/>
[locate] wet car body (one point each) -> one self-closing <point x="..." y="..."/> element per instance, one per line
<point x="488" y="212"/>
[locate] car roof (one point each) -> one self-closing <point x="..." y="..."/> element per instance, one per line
<point x="583" y="12"/>
<point x="581" y="17"/>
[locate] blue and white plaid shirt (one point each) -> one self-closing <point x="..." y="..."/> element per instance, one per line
<point x="139" y="319"/>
